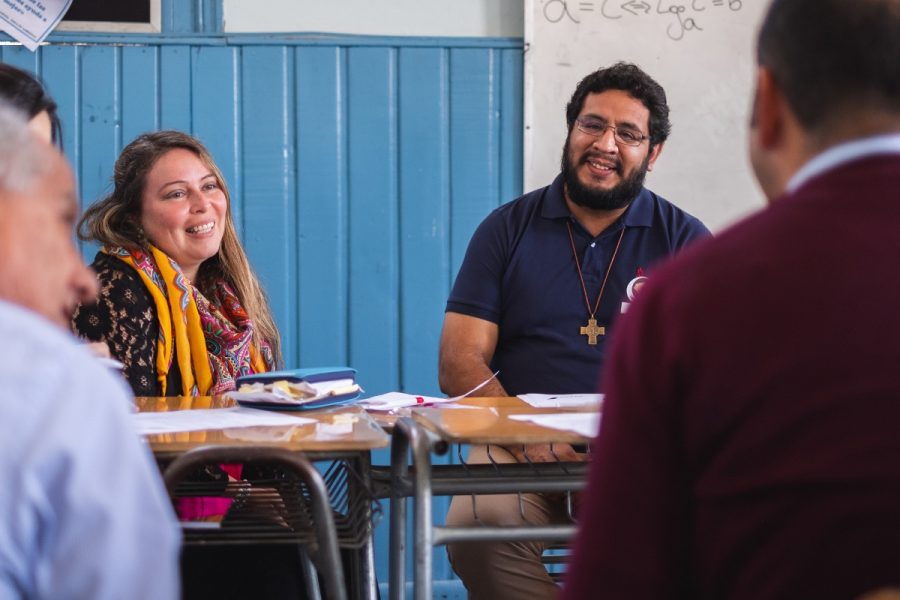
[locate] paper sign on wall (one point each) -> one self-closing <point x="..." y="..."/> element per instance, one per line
<point x="30" y="21"/>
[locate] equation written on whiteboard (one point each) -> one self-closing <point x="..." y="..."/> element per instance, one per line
<point x="684" y="17"/>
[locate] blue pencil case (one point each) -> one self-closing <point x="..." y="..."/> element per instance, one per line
<point x="298" y="389"/>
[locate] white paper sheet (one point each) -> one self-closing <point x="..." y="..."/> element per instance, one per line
<point x="562" y="400"/>
<point x="394" y="400"/>
<point x="30" y="21"/>
<point x="585" y="424"/>
<point x="149" y="423"/>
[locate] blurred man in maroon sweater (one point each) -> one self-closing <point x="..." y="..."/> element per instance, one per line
<point x="750" y="445"/>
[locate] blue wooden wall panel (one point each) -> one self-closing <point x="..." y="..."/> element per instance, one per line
<point x="322" y="224"/>
<point x="215" y="106"/>
<point x="512" y="121"/>
<point x="99" y="119"/>
<point x="59" y="69"/>
<point x="194" y="16"/>
<point x="175" y="88"/>
<point x="21" y="57"/>
<point x="424" y="191"/>
<point x="179" y="16"/>
<point x="269" y="219"/>
<point x="424" y="211"/>
<point x="373" y="324"/>
<point x="474" y="143"/>
<point x="358" y="171"/>
<point x="140" y="86"/>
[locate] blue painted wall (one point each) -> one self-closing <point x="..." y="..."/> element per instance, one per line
<point x="358" y="169"/>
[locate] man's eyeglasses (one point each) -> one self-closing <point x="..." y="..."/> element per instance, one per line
<point x="623" y="135"/>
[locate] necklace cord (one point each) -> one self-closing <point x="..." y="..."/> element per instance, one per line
<point x="612" y="260"/>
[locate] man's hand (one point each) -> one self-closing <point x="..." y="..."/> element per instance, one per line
<point x="546" y="453"/>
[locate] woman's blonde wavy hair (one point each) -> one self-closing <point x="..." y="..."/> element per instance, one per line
<point x="116" y="221"/>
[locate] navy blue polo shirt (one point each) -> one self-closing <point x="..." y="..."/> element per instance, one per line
<point x="519" y="272"/>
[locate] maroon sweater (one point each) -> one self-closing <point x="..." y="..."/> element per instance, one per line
<point x="750" y="445"/>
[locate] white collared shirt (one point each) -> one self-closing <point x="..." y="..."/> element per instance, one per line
<point x="83" y="512"/>
<point x="888" y="143"/>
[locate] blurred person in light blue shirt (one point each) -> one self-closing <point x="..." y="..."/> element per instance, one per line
<point x="83" y="513"/>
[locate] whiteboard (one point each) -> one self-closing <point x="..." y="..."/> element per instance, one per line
<point x="701" y="51"/>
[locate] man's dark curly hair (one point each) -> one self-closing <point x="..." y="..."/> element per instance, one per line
<point x="631" y="79"/>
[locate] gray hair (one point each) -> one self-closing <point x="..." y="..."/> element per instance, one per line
<point x="23" y="157"/>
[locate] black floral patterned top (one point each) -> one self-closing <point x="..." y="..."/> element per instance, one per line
<point x="124" y="317"/>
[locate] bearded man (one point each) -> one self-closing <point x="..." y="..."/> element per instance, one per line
<point x="539" y="290"/>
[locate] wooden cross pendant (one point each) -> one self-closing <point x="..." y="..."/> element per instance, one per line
<point x="592" y="331"/>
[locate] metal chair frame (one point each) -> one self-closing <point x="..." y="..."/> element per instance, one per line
<point x="324" y="552"/>
<point x="421" y="481"/>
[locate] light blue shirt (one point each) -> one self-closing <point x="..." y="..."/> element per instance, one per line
<point x="83" y="513"/>
<point x="844" y="153"/>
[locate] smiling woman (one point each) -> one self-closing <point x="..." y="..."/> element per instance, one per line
<point x="183" y="210"/>
<point x="179" y="305"/>
<point x="181" y="308"/>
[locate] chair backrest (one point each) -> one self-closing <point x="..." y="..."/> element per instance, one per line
<point x="299" y="509"/>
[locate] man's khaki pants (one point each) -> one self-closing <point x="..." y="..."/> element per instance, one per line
<point x="502" y="570"/>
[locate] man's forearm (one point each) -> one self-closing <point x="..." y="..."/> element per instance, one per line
<point x="459" y="375"/>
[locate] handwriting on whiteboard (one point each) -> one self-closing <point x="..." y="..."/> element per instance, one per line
<point x="683" y="17"/>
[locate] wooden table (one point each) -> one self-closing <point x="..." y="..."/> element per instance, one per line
<point x="347" y="428"/>
<point x="344" y="436"/>
<point x="493" y="425"/>
<point x="434" y="429"/>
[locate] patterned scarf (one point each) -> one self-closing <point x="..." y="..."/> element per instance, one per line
<point x="210" y="338"/>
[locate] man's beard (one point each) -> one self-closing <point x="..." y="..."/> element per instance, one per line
<point x="612" y="199"/>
